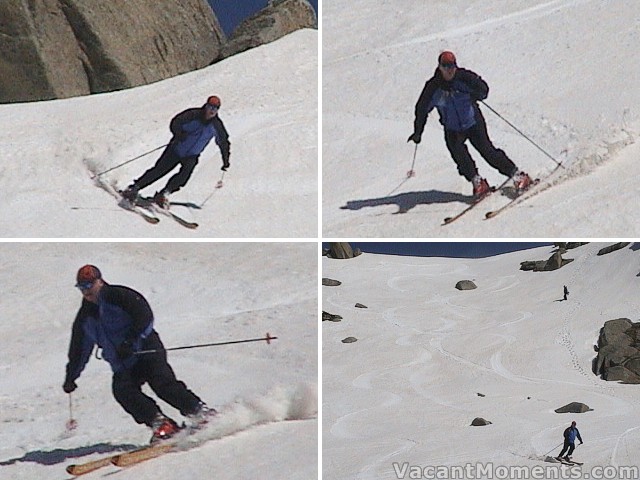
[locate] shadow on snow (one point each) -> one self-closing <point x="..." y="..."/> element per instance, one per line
<point x="59" y="455"/>
<point x="408" y="200"/>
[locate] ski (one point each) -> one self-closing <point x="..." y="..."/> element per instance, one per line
<point x="146" y="215"/>
<point x="449" y="220"/>
<point x="146" y="202"/>
<point x="528" y="193"/>
<point x="140" y="455"/>
<point x="78" y="469"/>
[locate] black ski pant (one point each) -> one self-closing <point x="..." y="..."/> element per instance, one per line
<point x="167" y="162"/>
<point x="571" y="446"/>
<point x="152" y="368"/>
<point x="479" y="138"/>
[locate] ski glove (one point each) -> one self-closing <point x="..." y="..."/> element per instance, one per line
<point x="69" y="386"/>
<point x="415" y="138"/>
<point x="125" y="350"/>
<point x="225" y="166"/>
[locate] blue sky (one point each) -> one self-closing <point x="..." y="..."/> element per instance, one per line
<point x="444" y="249"/>
<point x="231" y="12"/>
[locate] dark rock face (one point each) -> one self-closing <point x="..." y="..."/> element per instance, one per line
<point x="64" y="48"/>
<point x="619" y="351"/>
<point x="342" y="250"/>
<point x="330" y="317"/>
<point x="277" y="19"/>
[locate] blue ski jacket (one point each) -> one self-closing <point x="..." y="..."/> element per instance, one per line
<point x="192" y="133"/>
<point x="455" y="100"/>
<point x="120" y="314"/>
<point x="571" y="433"/>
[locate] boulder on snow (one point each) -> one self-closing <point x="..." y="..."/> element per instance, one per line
<point x="349" y="340"/>
<point x="277" y="19"/>
<point x="618" y="350"/>
<point x="613" y="248"/>
<point x="52" y="49"/>
<point x="480" y="422"/>
<point x="359" y="305"/>
<point x="342" y="250"/>
<point x="466" y="285"/>
<point x="553" y="263"/>
<point x="574" y="407"/>
<point x="329" y="317"/>
<point x="327" y="282"/>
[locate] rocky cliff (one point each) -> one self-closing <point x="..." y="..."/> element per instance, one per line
<point x="63" y="48"/>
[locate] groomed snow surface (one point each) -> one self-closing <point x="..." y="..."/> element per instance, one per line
<point x="407" y="391"/>
<point x="269" y="96"/>
<point x="200" y="293"/>
<point x="562" y="71"/>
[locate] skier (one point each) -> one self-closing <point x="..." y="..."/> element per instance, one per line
<point x="120" y="321"/>
<point x="454" y="92"/>
<point x="566" y="292"/>
<point x="570" y="435"/>
<point x="192" y="131"/>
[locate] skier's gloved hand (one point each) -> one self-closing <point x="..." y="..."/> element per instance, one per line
<point x="225" y="166"/>
<point x="415" y="138"/>
<point x="125" y="350"/>
<point x="69" y="386"/>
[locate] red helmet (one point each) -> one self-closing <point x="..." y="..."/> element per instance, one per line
<point x="214" y="101"/>
<point x="88" y="273"/>
<point x="447" y="58"/>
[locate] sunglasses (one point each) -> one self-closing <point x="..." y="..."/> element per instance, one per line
<point x="448" y="65"/>
<point x="212" y="108"/>
<point x="84" y="286"/>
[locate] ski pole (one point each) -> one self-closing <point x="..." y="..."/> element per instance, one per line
<point x="267" y="339"/>
<point x="71" y="423"/>
<point x="128" y="161"/>
<point x="412" y="173"/>
<point x="522" y="133"/>
<point x="553" y="449"/>
<point x="218" y="186"/>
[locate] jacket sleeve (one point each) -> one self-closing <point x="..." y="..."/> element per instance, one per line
<point x="80" y="346"/>
<point x="578" y="435"/>
<point x="134" y="304"/>
<point x="183" y="117"/>
<point x="478" y="88"/>
<point x="222" y="139"/>
<point x="424" y="104"/>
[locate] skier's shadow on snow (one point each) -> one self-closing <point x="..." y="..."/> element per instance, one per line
<point x="59" y="455"/>
<point x="407" y="200"/>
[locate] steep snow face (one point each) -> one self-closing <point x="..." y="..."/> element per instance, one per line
<point x="269" y="106"/>
<point x="430" y="358"/>
<point x="558" y="70"/>
<point x="199" y="293"/>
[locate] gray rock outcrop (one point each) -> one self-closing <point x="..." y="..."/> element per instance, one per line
<point x="63" y="48"/>
<point x="618" y="349"/>
<point x="328" y="282"/>
<point x="342" y="250"/>
<point x="480" y="422"/>
<point x="330" y="317"/>
<point x="277" y="19"/>
<point x="613" y="248"/>
<point x="349" y="340"/>
<point x="553" y="263"/>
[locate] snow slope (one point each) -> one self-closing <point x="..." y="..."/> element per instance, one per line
<point x="270" y="108"/>
<point x="200" y="293"/>
<point x="562" y="71"/>
<point x="407" y="390"/>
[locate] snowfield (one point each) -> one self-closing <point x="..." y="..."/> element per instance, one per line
<point x="560" y="70"/>
<point x="430" y="358"/>
<point x="200" y="293"/>
<point x="269" y="96"/>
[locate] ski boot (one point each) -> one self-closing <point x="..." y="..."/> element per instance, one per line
<point x="160" y="199"/>
<point x="480" y="187"/>
<point x="522" y="181"/>
<point x="163" y="428"/>
<point x="130" y="193"/>
<point x="201" y="416"/>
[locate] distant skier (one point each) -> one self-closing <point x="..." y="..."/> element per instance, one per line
<point x="570" y="435"/>
<point x="120" y="321"/>
<point x="192" y="131"/>
<point x="566" y="292"/>
<point x="454" y="92"/>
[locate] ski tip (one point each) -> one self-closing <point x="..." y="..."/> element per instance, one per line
<point x="447" y="221"/>
<point x="490" y="214"/>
